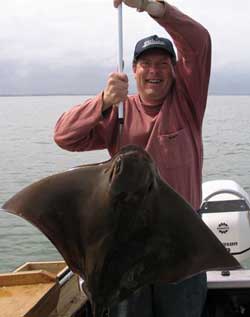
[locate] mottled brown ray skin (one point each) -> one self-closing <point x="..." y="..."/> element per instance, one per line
<point x="120" y="226"/>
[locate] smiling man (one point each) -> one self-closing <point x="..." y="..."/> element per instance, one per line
<point x="153" y="67"/>
<point x="165" y="118"/>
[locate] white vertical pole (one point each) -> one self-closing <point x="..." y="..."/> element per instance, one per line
<point x="120" y="59"/>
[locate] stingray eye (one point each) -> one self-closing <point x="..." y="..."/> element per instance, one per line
<point x="150" y="187"/>
<point x="118" y="166"/>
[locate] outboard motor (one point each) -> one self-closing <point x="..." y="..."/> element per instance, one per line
<point x="226" y="211"/>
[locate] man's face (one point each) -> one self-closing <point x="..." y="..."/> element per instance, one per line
<point x="154" y="74"/>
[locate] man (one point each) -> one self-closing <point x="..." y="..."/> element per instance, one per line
<point x="165" y="118"/>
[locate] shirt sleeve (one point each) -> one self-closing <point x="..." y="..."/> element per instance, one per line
<point x="193" y="65"/>
<point x="85" y="127"/>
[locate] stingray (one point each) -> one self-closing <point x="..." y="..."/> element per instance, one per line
<point x="119" y="226"/>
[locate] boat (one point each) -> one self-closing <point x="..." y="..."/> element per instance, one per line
<point x="50" y="289"/>
<point x="226" y="210"/>
<point x="41" y="289"/>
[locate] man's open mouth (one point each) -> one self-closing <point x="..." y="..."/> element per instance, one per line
<point x="153" y="81"/>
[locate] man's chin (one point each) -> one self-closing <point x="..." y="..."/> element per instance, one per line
<point x="152" y="99"/>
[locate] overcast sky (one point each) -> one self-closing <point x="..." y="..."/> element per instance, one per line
<point x="46" y="41"/>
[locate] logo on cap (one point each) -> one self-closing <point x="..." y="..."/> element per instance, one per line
<point x="152" y="42"/>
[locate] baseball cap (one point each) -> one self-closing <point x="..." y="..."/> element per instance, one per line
<point x="154" y="41"/>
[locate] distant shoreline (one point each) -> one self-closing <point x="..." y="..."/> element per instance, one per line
<point x="93" y="94"/>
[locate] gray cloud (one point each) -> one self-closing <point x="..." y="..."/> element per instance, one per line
<point x="37" y="78"/>
<point x="68" y="46"/>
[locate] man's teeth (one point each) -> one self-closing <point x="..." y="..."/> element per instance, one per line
<point x="154" y="81"/>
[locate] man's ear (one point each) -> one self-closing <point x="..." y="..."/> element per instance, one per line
<point x="134" y="68"/>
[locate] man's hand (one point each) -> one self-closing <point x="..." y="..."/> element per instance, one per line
<point x="140" y="5"/>
<point x="116" y="90"/>
<point x="154" y="8"/>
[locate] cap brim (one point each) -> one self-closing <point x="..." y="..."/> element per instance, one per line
<point x="152" y="47"/>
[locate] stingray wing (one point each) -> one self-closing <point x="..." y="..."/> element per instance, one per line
<point x="62" y="206"/>
<point x="170" y="243"/>
<point x="188" y="245"/>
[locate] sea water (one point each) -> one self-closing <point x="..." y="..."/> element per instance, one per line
<point x="28" y="153"/>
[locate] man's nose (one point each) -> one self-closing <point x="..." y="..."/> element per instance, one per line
<point x="153" y="69"/>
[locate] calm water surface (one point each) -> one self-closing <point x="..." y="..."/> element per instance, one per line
<point x="28" y="153"/>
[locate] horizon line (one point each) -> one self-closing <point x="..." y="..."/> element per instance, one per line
<point x="93" y="94"/>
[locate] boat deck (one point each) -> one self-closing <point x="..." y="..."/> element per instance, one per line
<point x="36" y="289"/>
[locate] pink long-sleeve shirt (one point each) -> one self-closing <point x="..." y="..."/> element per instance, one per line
<point x="172" y="132"/>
